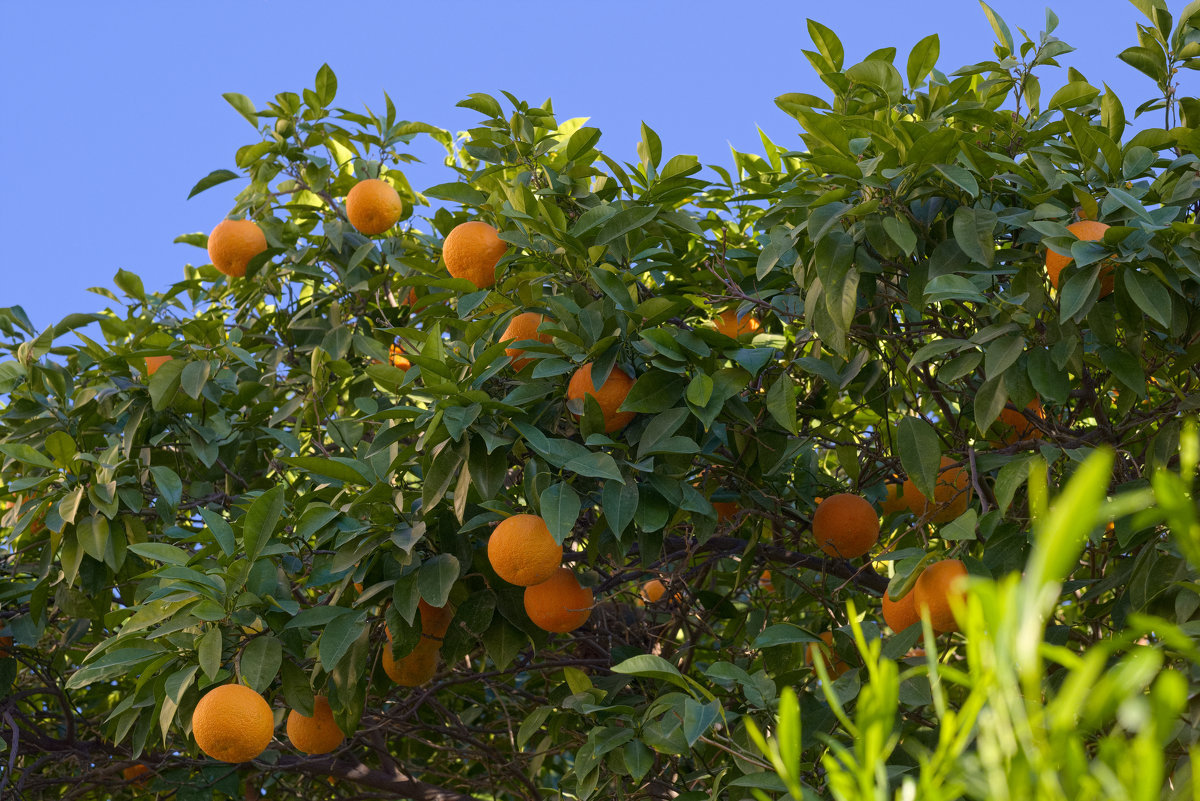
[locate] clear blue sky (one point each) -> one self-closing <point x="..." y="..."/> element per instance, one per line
<point x="113" y="110"/>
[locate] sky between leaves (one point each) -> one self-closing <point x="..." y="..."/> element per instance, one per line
<point x="116" y="110"/>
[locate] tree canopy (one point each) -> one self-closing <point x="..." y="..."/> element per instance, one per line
<point x="272" y="479"/>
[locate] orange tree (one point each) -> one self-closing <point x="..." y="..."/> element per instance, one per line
<point x="301" y="499"/>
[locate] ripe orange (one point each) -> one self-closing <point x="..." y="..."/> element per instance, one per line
<point x="155" y="362"/>
<point x="398" y="359"/>
<point x="411" y="299"/>
<point x="725" y="509"/>
<point x="318" y="734"/>
<point x="522" y="327"/>
<point x="894" y="502"/>
<point x="951" y="493"/>
<point x="233" y="243"/>
<point x="729" y="324"/>
<point x="934" y="589"/>
<point x="435" y="620"/>
<point x="233" y="723"/>
<point x="845" y="525"/>
<point x="653" y="590"/>
<point x="523" y="552"/>
<point x="6" y="644"/>
<point x="373" y="206"/>
<point x="1015" y="426"/>
<point x="558" y="604"/>
<point x="901" y="614"/>
<point x="1088" y="231"/>
<point x="765" y="583"/>
<point x="471" y="251"/>
<point x="610" y="396"/>
<point x="415" y="668"/>
<point x="138" y="773"/>
<point x="834" y="664"/>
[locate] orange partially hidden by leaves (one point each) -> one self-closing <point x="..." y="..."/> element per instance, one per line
<point x="152" y="365"/>
<point x="6" y="644"/>
<point x="523" y="327"/>
<point x="523" y="552"/>
<point x="845" y="525"/>
<point x="398" y="359"/>
<point x="951" y="493"/>
<point x="233" y="723"/>
<point x="471" y="251"/>
<point x="136" y="773"/>
<point x="373" y="206"/>
<point x="318" y="734"/>
<point x="934" y="589"/>
<point x="834" y="664"/>
<point x="435" y="620"/>
<point x="653" y="590"/>
<point x="559" y="604"/>
<point x="901" y="614"/>
<point x="1087" y="231"/>
<point x="725" y="510"/>
<point x="764" y="582"/>
<point x="414" y="668"/>
<point x="1015" y="426"/>
<point x="729" y="324"/>
<point x="610" y="396"/>
<point x="233" y="243"/>
<point x="894" y="502"/>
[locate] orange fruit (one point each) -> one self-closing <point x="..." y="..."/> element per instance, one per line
<point x="471" y="251"/>
<point x="558" y="604"/>
<point x="522" y="551"/>
<point x="155" y="362"/>
<point x="233" y="243"/>
<point x="415" y="668"/>
<point x="725" y="509"/>
<point x="951" y="493"/>
<point x="729" y="324"/>
<point x="398" y="359"/>
<point x="411" y="300"/>
<point x="1087" y="231"/>
<point x="522" y="327"/>
<point x="901" y="614"/>
<point x="765" y="583"/>
<point x="318" y="734"/>
<point x="894" y="502"/>
<point x="936" y="585"/>
<point x="653" y="590"/>
<point x="834" y="664"/>
<point x="610" y="396"/>
<point x="845" y="525"/>
<point x="6" y="644"/>
<point x="435" y="620"/>
<point x="233" y="723"/>
<point x="1015" y="426"/>
<point x="138" y="773"/>
<point x="373" y="206"/>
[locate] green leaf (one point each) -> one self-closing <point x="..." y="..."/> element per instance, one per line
<point x="974" y="233"/>
<point x="989" y="402"/>
<point x="221" y="530"/>
<point x="920" y="452"/>
<point x="436" y="578"/>
<point x="121" y="662"/>
<point x="260" y="662"/>
<point x="326" y="85"/>
<point x="194" y="377"/>
<point x="649" y="666"/>
<point x="650" y="148"/>
<point x="781" y="634"/>
<point x="1149" y="294"/>
<point x="827" y="44"/>
<point x="243" y="105"/>
<point x="878" y="74"/>
<point x="214" y="178"/>
<point x="130" y="284"/>
<point x="923" y="59"/>
<point x="336" y="469"/>
<point x="1073" y="94"/>
<point x="170" y="488"/>
<point x="25" y="454"/>
<point x="208" y="651"/>
<point x="1125" y="367"/>
<point x="457" y="192"/>
<point x="594" y="465"/>
<point x="623" y="222"/>
<point x="261" y="520"/>
<point x="1002" y="354"/>
<point x="620" y="501"/>
<point x="698" y="717"/>
<point x="161" y="552"/>
<point x="560" y="507"/>
<point x="337" y="638"/>
<point x="1003" y="35"/>
<point x="503" y="642"/>
<point x="654" y="391"/>
<point x="164" y="383"/>
<point x="781" y="402"/>
<point x="1146" y="61"/>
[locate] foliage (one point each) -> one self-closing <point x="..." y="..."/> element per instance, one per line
<point x="279" y="492"/>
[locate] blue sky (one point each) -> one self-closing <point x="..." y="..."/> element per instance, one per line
<point x="116" y="110"/>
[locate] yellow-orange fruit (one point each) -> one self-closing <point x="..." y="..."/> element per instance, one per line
<point x="1014" y="426"/>
<point x="398" y="359"/>
<point x="951" y="493"/>
<point x="765" y="583"/>
<point x="233" y="243"/>
<point x="521" y="328"/>
<point x="6" y="644"/>
<point x="416" y="667"/>
<point x="233" y="723"/>
<point x="471" y="251"/>
<point x="901" y="614"/>
<point x="138" y="773"/>
<point x="725" y="509"/>
<point x="610" y="396"/>
<point x="558" y="604"/>
<point x="152" y="365"/>
<point x="411" y="299"/>
<point x="435" y="620"/>
<point x="1088" y="231"/>
<point x="936" y="585"/>
<point x="318" y="734"/>
<point x="373" y="206"/>
<point x="729" y="324"/>
<point x="845" y="525"/>
<point x="834" y="664"/>
<point x="523" y="552"/>
<point x="894" y="502"/>
<point x="653" y="590"/>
